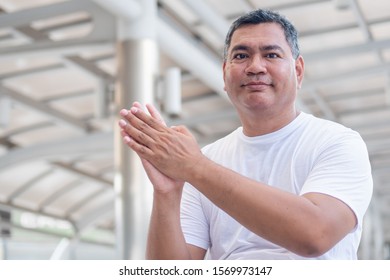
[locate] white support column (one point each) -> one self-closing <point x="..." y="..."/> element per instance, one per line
<point x="378" y="236"/>
<point x="372" y="242"/>
<point x="365" y="249"/>
<point x="2" y="249"/>
<point x="387" y="89"/>
<point x="137" y="57"/>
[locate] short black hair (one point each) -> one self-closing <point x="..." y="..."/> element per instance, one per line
<point x="264" y="16"/>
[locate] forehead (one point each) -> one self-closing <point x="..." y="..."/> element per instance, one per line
<point x="260" y="34"/>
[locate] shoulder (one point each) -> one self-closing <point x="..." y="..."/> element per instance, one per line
<point x="325" y="141"/>
<point x="327" y="131"/>
<point x="317" y="123"/>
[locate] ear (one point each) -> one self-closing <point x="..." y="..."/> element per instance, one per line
<point x="300" y="70"/>
<point x="223" y="73"/>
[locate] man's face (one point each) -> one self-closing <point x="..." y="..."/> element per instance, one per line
<point x="260" y="72"/>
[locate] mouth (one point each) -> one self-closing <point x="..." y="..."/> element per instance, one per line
<point x="256" y="85"/>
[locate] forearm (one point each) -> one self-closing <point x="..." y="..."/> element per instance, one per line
<point x="165" y="239"/>
<point x="291" y="221"/>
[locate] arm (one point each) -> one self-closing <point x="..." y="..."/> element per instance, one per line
<point x="307" y="225"/>
<point x="165" y="238"/>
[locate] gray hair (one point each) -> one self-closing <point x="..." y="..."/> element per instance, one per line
<point x="264" y="16"/>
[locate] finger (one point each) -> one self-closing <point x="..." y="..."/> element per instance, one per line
<point x="138" y="105"/>
<point x="130" y="131"/>
<point x="155" y="113"/>
<point x="125" y="136"/>
<point x="123" y="133"/>
<point x="142" y="151"/>
<point x="145" y="121"/>
<point x="151" y="109"/>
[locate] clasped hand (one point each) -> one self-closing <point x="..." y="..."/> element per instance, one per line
<point x="171" y="150"/>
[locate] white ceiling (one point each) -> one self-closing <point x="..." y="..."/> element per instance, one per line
<point x="58" y="57"/>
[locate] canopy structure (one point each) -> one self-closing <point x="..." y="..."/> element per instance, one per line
<point x="67" y="66"/>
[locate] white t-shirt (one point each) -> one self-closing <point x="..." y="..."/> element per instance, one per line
<point x="307" y="155"/>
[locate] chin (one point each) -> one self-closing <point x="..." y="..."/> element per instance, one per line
<point x="259" y="102"/>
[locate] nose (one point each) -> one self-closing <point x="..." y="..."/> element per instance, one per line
<point x="256" y="65"/>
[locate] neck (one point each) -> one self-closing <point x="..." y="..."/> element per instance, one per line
<point x="256" y="124"/>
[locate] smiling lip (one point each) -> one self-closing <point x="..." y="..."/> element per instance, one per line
<point x="256" y="85"/>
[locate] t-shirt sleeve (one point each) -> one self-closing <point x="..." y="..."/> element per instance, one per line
<point x="194" y="223"/>
<point x="343" y="170"/>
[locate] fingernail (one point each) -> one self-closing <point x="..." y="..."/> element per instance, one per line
<point x="122" y="123"/>
<point x="134" y="110"/>
<point x="126" y="139"/>
<point x="123" y="112"/>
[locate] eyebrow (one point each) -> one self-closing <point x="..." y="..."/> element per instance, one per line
<point x="263" y="48"/>
<point x="272" y="48"/>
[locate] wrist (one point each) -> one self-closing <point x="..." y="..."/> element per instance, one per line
<point x="199" y="170"/>
<point x="171" y="197"/>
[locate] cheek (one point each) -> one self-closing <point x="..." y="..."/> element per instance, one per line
<point x="288" y="79"/>
<point x="231" y="74"/>
<point x="227" y="78"/>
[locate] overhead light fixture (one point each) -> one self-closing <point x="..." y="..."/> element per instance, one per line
<point x="172" y="91"/>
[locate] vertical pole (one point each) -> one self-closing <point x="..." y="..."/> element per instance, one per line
<point x="377" y="231"/>
<point x="5" y="110"/>
<point x="387" y="89"/>
<point x="172" y="91"/>
<point x="137" y="57"/>
<point x="365" y="249"/>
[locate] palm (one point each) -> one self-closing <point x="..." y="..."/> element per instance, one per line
<point x="161" y="182"/>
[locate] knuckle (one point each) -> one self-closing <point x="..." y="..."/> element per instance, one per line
<point x="141" y="136"/>
<point x="142" y="150"/>
<point x="143" y="126"/>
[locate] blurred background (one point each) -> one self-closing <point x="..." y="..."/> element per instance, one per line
<point x="68" y="187"/>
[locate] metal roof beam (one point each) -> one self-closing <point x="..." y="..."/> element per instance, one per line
<point x="68" y="47"/>
<point x="210" y="17"/>
<point x="32" y="33"/>
<point x="53" y="197"/>
<point x="32" y="70"/>
<point x="125" y="9"/>
<point x="27" y="16"/>
<point x="84" y="174"/>
<point x="28" y="185"/>
<point x="90" y="68"/>
<point x="84" y="202"/>
<point x="350" y="50"/>
<point x="202" y="65"/>
<point x="314" y="83"/>
<point x="45" y="109"/>
<point x="103" y="33"/>
<point x="90" y="143"/>
<point x="324" y="106"/>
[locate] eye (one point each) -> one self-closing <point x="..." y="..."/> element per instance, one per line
<point x="240" y="56"/>
<point x="272" y="55"/>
